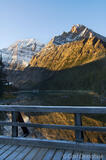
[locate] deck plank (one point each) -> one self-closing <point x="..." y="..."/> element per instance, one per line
<point x="23" y="154"/>
<point x="2" y="145"/>
<point x="8" y="152"/>
<point x="41" y="153"/>
<point x="58" y="155"/>
<point x="86" y="156"/>
<point x="67" y="155"/>
<point x="3" y="149"/>
<point x="31" y="154"/>
<point x="49" y="154"/>
<point x="76" y="156"/>
<point x="14" y="154"/>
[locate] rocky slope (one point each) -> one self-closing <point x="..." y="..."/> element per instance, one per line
<point x="18" y="55"/>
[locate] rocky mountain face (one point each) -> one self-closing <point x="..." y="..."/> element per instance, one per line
<point x="79" y="46"/>
<point x="18" y="55"/>
<point x="63" y="59"/>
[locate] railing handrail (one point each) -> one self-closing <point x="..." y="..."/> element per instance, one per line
<point x="66" y="109"/>
<point x="78" y="128"/>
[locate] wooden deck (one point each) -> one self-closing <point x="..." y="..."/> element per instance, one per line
<point x="19" y="152"/>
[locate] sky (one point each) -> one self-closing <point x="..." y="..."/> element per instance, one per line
<point x="44" y="19"/>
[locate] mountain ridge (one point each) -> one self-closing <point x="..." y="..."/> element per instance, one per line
<point x="61" y="50"/>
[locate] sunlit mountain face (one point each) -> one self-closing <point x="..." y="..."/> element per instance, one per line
<point x="79" y="46"/>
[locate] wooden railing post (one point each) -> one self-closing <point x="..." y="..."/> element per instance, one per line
<point x="14" y="128"/>
<point x="78" y="122"/>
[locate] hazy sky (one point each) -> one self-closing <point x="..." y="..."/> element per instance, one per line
<point x="43" y="19"/>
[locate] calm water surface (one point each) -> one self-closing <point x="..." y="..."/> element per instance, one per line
<point x="80" y="98"/>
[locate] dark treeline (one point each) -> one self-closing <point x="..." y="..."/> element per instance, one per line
<point x="2" y="77"/>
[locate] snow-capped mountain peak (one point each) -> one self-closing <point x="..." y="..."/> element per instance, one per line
<point x="77" y="32"/>
<point x="19" y="54"/>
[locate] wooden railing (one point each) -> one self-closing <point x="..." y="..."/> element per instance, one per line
<point x="78" y="128"/>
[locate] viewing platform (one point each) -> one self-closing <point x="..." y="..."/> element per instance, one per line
<point x="15" y="147"/>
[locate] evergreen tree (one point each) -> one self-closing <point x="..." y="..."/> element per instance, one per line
<point x="2" y="77"/>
